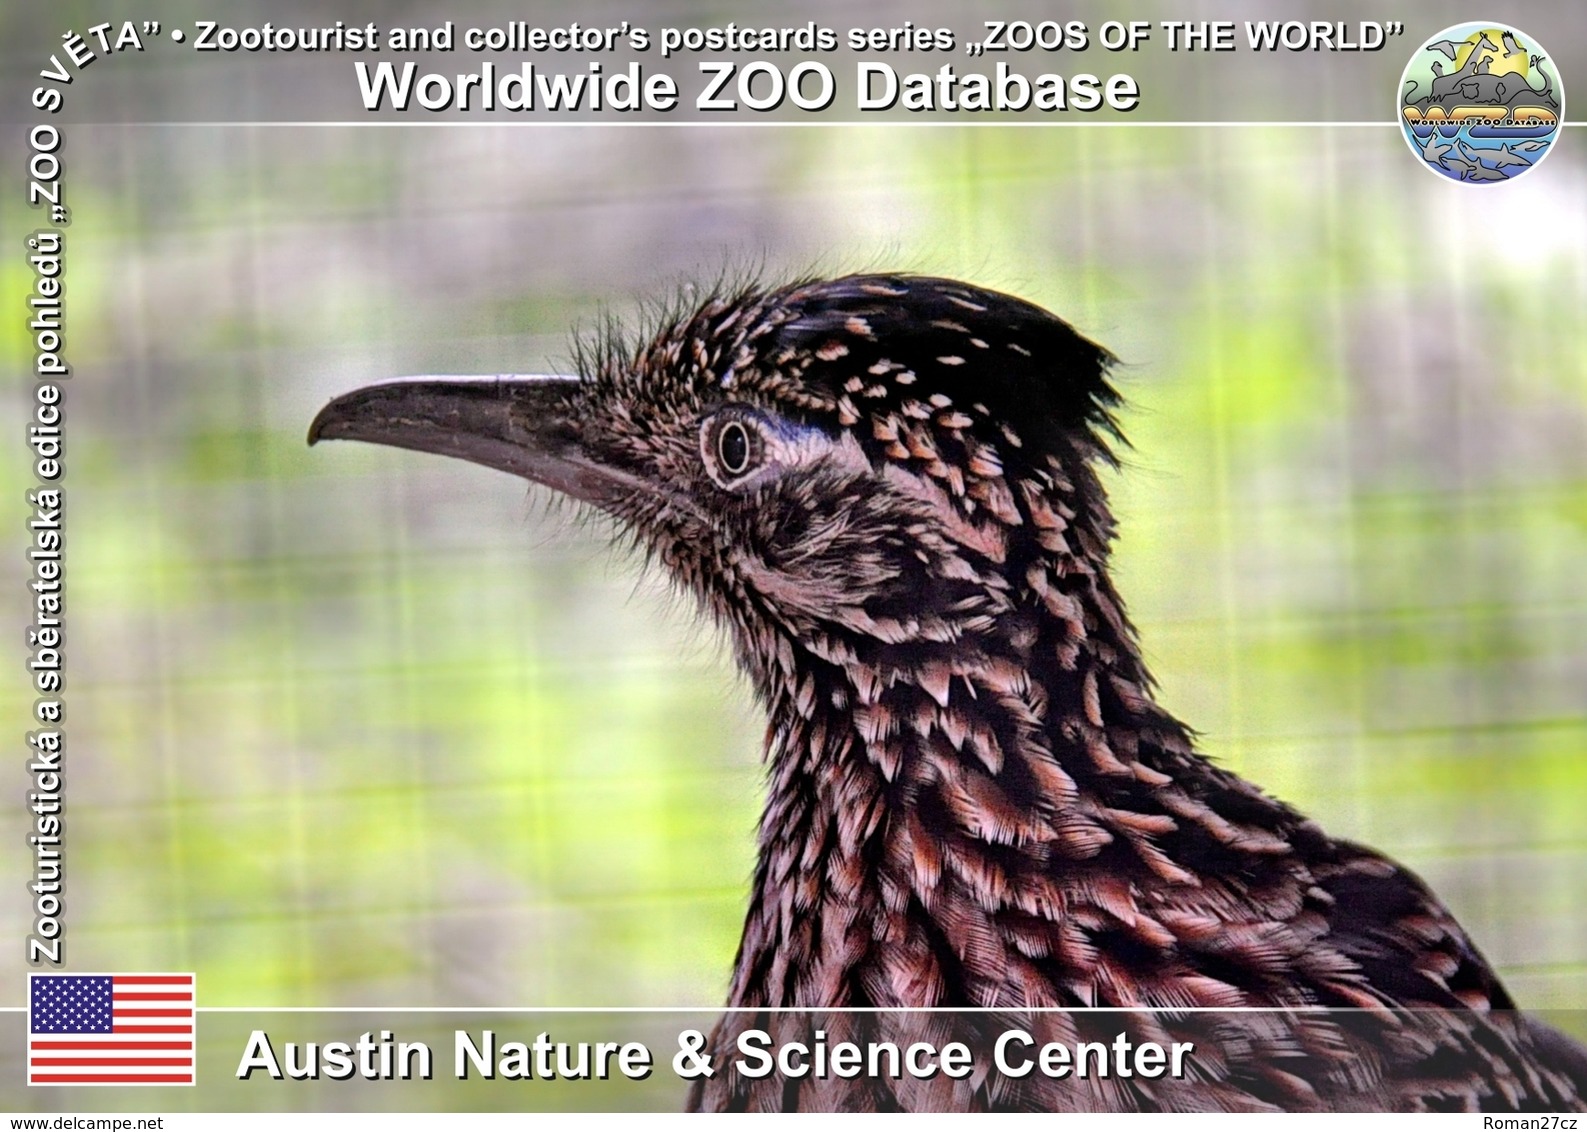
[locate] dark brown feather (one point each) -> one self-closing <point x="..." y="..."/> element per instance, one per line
<point x="973" y="798"/>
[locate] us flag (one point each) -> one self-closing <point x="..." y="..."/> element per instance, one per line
<point x="110" y="1029"/>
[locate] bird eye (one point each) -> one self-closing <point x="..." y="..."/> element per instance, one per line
<point x="732" y="448"/>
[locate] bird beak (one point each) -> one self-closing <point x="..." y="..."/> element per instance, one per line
<point x="523" y="424"/>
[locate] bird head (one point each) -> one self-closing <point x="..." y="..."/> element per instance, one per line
<point x="867" y="466"/>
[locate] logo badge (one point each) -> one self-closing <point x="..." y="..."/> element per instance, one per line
<point x="1481" y="103"/>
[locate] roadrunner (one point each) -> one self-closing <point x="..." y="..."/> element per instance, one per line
<point x="885" y="487"/>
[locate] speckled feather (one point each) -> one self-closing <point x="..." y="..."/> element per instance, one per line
<point x="973" y="798"/>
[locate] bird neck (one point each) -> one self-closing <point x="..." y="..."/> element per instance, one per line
<point x="916" y="789"/>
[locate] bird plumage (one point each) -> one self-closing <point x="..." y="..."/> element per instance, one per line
<point x="885" y="487"/>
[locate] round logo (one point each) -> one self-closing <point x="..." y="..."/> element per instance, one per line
<point x="1481" y="103"/>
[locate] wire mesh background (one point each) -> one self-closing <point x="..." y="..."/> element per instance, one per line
<point x="359" y="727"/>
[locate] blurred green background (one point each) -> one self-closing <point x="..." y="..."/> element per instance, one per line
<point x="361" y="727"/>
